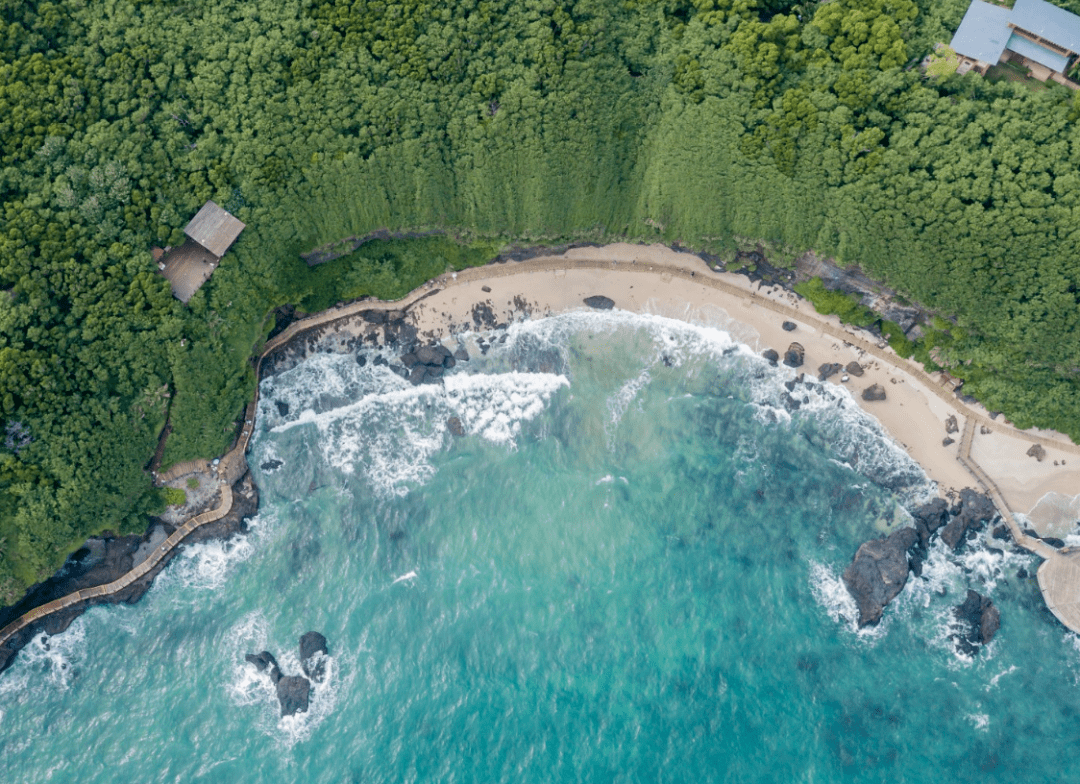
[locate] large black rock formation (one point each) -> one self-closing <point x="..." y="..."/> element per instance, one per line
<point x="982" y="619"/>
<point x="878" y="573"/>
<point x="294" y="691"/>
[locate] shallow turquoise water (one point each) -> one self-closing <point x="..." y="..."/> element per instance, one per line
<point x="627" y="570"/>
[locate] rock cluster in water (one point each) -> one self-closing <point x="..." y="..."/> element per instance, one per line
<point x="426" y="364"/>
<point x="880" y="567"/>
<point x="982" y="620"/>
<point x="294" y="691"/>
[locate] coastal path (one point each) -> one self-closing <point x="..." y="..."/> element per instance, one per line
<point x="1059" y="575"/>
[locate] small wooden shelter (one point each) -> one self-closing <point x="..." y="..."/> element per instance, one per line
<point x="210" y="233"/>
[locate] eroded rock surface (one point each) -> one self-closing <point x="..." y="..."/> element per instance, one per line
<point x="982" y="620"/>
<point x="878" y="573"/>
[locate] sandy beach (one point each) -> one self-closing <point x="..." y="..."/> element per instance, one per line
<point x="661" y="281"/>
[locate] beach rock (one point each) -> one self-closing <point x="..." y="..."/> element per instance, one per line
<point x="1053" y="541"/>
<point x="600" y="302"/>
<point x="293" y="693"/>
<point x="263" y="661"/>
<point x="982" y="619"/>
<point x="409" y="360"/>
<point x="486" y="289"/>
<point x="829" y="369"/>
<point x="454" y="425"/>
<point x="951" y="425"/>
<point x="794" y="355"/>
<point x="1002" y="532"/>
<point x="1037" y="452"/>
<point x="418" y="374"/>
<point x="878" y="573"/>
<point x="929" y="518"/>
<point x="947" y="441"/>
<point x="313" y="655"/>
<point x="461" y="355"/>
<point x="282" y="407"/>
<point x="771" y="355"/>
<point x="788" y="326"/>
<point x="874" y="392"/>
<point x="361" y="360"/>
<point x="854" y="368"/>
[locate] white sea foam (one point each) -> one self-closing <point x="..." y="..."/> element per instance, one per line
<point x="980" y="721"/>
<point x="48" y="661"/>
<point x="994" y="681"/>
<point x="206" y="565"/>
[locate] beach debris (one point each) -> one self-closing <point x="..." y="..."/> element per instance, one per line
<point x="313" y="653"/>
<point x="878" y="573"/>
<point x="454" y="425"/>
<point x="794" y="355"/>
<point x="1037" y="452"/>
<point x="845" y="378"/>
<point x="874" y="392"/>
<point x="829" y="369"/>
<point x="951" y="425"/>
<point x="854" y="368"/>
<point x="771" y="355"/>
<point x="982" y="619"/>
<point x="600" y="302"/>
<point x="788" y="326"/>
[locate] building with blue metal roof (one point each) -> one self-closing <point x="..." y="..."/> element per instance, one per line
<point x="1033" y="33"/>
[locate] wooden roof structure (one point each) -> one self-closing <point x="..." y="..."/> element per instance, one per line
<point x="214" y="229"/>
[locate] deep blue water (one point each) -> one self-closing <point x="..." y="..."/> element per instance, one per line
<point x="626" y="570"/>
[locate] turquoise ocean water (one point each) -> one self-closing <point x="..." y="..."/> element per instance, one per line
<point x="627" y="570"/>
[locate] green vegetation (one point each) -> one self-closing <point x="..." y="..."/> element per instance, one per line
<point x="173" y="496"/>
<point x="836" y="303"/>
<point x="193" y="484"/>
<point x="698" y="121"/>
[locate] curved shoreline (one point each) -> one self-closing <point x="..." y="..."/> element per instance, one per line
<point x="594" y="266"/>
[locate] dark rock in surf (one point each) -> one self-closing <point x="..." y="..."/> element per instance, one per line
<point x="600" y="302"/>
<point x="418" y="374"/>
<point x="427" y="355"/>
<point x="794" y="356"/>
<point x="771" y="355"/>
<point x="854" y="368"/>
<point x="361" y="360"/>
<point x="788" y="326"/>
<point x="461" y="355"/>
<point x="409" y="360"/>
<point x="878" y="573"/>
<point x="282" y="407"/>
<point x="454" y="425"/>
<point x="313" y="653"/>
<point x="271" y="465"/>
<point x="982" y="619"/>
<point x="828" y="370"/>
<point x="1002" y="532"/>
<point x="929" y="518"/>
<point x="874" y="392"/>
<point x="293" y="693"/>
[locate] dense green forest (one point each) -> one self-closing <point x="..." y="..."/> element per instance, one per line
<point x="698" y="121"/>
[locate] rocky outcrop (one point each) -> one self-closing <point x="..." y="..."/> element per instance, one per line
<point x="829" y="369"/>
<point x="293" y="693"/>
<point x="313" y="655"/>
<point x="795" y="355"/>
<point x="455" y="426"/>
<point x="854" y="368"/>
<point x="1037" y="452"/>
<point x="426" y="364"/>
<point x="874" y="392"/>
<point x="973" y="512"/>
<point x="929" y="518"/>
<point x="878" y="573"/>
<point x="951" y="425"/>
<point x="981" y="619"/>
<point x="771" y="355"/>
<point x="600" y="302"/>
